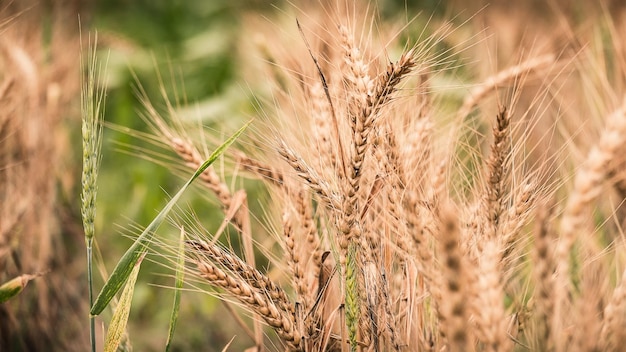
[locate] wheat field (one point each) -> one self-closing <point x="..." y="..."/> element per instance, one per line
<point x="408" y="182"/>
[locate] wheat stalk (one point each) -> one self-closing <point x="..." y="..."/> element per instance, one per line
<point x="92" y="110"/>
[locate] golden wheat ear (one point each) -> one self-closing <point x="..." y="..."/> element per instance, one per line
<point x="253" y="289"/>
<point x="587" y="188"/>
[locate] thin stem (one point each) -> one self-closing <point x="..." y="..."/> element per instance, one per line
<point x="92" y="319"/>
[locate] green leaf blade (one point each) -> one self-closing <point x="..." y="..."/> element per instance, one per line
<point x="121" y="273"/>
<point x="120" y="316"/>
<point x="180" y="276"/>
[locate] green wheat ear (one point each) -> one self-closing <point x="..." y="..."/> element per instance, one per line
<point x="92" y="110"/>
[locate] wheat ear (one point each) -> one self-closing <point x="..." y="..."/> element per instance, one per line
<point x="489" y="314"/>
<point x="265" y="171"/>
<point x="587" y="187"/>
<point x="322" y="131"/>
<point x="308" y="174"/>
<point x="501" y="78"/>
<point x="192" y="158"/>
<point x="613" y="333"/>
<point x="543" y="270"/>
<point x="312" y="244"/>
<point x="453" y="308"/>
<point x="294" y="260"/>
<point x="256" y="291"/>
<point x="498" y="168"/>
<point x="362" y="119"/>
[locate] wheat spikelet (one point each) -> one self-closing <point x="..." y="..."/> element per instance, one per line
<point x="251" y="275"/>
<point x="362" y="120"/>
<point x="359" y="92"/>
<point x="517" y="216"/>
<point x="92" y="107"/>
<point x="415" y="152"/>
<point x="390" y="317"/>
<point x="357" y="78"/>
<point x="383" y="154"/>
<point x="255" y="300"/>
<point x="192" y="158"/>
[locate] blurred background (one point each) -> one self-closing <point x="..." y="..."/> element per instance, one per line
<point x="203" y="53"/>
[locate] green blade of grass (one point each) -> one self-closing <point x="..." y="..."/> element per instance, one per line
<point x="126" y="264"/>
<point x="180" y="276"/>
<point x="120" y="316"/>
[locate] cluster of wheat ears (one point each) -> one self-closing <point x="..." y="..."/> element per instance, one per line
<point x="404" y="227"/>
